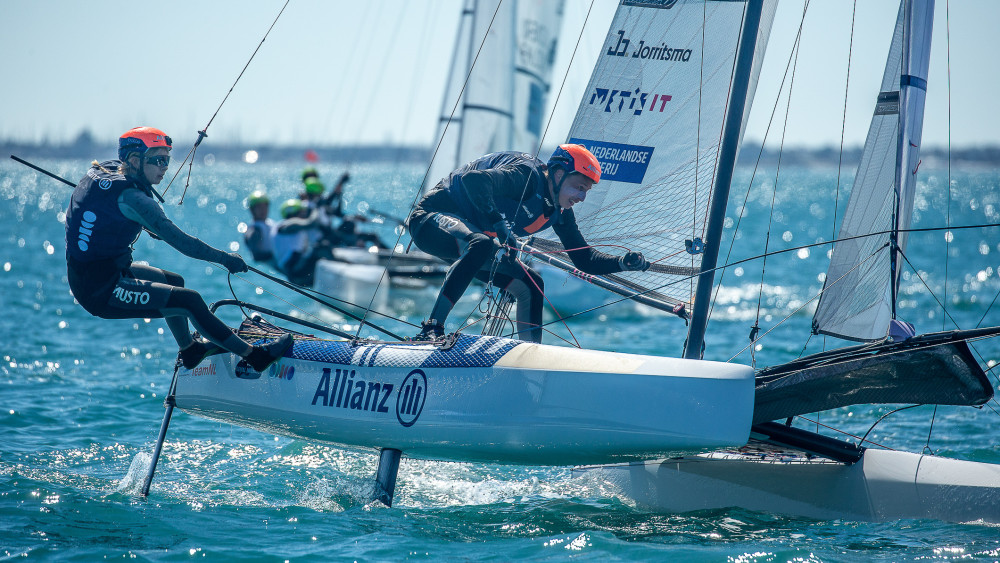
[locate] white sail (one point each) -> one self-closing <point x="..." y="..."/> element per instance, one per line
<point x="653" y="114"/>
<point x="500" y="75"/>
<point x="857" y="302"/>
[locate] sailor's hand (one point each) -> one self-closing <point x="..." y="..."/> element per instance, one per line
<point x="633" y="262"/>
<point x="234" y="263"/>
<point x="504" y="236"/>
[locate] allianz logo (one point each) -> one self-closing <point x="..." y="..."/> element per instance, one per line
<point x="86" y="230"/>
<point x="346" y="389"/>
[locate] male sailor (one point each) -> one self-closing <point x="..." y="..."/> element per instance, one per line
<point x="481" y="207"/>
<point x="300" y="241"/>
<point x="331" y="206"/>
<point x="259" y="237"/>
<point x="109" y="208"/>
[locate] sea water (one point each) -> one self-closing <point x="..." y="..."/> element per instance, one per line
<point x="81" y="398"/>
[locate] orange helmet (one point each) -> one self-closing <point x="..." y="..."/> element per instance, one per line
<point x="576" y="158"/>
<point x="141" y="139"/>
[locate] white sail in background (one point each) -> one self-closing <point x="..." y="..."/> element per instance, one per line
<point x="857" y="300"/>
<point x="501" y="68"/>
<point x="653" y="114"/>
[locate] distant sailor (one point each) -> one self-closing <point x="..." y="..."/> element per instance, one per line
<point x="259" y="237"/>
<point x="300" y="241"/>
<point x="481" y="207"/>
<point x="110" y="207"/>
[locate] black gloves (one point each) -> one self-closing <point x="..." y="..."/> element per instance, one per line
<point x="633" y="262"/>
<point x="234" y="263"/>
<point x="504" y="236"/>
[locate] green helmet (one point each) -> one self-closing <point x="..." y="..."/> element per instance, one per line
<point x="291" y="208"/>
<point x="258" y="196"/>
<point x="309" y="172"/>
<point x="314" y="187"/>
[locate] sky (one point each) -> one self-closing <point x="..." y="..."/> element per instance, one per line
<point x="337" y="72"/>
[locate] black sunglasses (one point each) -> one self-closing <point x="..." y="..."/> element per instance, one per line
<point x="158" y="160"/>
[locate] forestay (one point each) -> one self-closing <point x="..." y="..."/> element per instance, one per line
<point x="653" y="114"/>
<point x="500" y="75"/>
<point x="858" y="298"/>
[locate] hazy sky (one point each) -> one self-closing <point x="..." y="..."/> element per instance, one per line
<point x="370" y="71"/>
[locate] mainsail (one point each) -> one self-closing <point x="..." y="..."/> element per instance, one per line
<point x="500" y="78"/>
<point x="653" y="114"/>
<point x="858" y="300"/>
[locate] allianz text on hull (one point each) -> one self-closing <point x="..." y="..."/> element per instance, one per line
<point x="481" y="399"/>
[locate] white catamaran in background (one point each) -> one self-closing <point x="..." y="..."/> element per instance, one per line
<point x="664" y="112"/>
<point x="495" y="99"/>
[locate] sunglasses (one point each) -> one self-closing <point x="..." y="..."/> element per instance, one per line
<point x="158" y="161"/>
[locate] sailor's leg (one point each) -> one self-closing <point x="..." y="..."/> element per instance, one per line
<point x="177" y="324"/>
<point x="526" y="286"/>
<point x="452" y="239"/>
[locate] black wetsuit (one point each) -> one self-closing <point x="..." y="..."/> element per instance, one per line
<point x="106" y="215"/>
<point x="454" y="221"/>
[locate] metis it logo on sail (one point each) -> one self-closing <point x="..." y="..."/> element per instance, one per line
<point x="614" y="101"/>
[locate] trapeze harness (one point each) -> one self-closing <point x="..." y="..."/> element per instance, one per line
<point x="101" y="274"/>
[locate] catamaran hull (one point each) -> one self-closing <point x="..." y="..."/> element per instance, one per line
<point x="884" y="485"/>
<point x="484" y="399"/>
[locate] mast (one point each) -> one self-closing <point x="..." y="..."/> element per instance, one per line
<point x="727" y="162"/>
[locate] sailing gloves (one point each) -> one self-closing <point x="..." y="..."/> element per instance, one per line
<point x="504" y="236"/>
<point x="234" y="263"/>
<point x="633" y="262"/>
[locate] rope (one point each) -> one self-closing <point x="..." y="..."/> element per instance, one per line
<point x="774" y="110"/>
<point x="204" y="132"/>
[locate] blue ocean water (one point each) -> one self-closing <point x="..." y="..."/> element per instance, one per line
<point x="82" y="399"/>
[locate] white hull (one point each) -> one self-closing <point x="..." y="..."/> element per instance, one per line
<point x="485" y="399"/>
<point x="884" y="485"/>
<point x="355" y="283"/>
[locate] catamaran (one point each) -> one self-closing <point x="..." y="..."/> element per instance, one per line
<point x="710" y="427"/>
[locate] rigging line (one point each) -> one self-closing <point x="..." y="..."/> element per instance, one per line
<point x="355" y="60"/>
<point x="843" y="121"/>
<point x="693" y="263"/>
<point x="815" y="297"/>
<point x="554" y="310"/>
<point x="927" y="445"/>
<point x="844" y="432"/>
<point x="305" y="292"/>
<point x="947" y="243"/>
<point x="940" y="304"/>
<point x="440" y="140"/>
<point x="760" y="153"/>
<point x="881" y="418"/>
<point x="203" y="133"/>
<point x="774" y="196"/>
<point x="378" y="79"/>
<point x="773" y="253"/>
<point x="293" y="306"/>
<point x="562" y="84"/>
<point x="988" y="309"/>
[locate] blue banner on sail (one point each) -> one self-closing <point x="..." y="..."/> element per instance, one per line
<point x="620" y="163"/>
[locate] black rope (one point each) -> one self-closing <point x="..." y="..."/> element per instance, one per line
<point x="204" y="131"/>
<point x="759" y="256"/>
<point x="881" y="418"/>
<point x="306" y="292"/>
